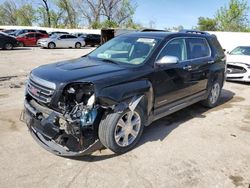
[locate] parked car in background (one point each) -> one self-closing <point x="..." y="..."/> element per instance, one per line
<point x="61" y="41"/>
<point x="30" y="39"/>
<point x="23" y="31"/>
<point x="8" y="31"/>
<point x="7" y="42"/>
<point x="238" y="64"/>
<point x="91" y="39"/>
<point x="108" y="96"/>
<point x="58" y="33"/>
<point x="79" y="34"/>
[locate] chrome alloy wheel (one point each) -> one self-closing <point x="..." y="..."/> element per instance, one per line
<point x="127" y="129"/>
<point x="8" y="46"/>
<point x="215" y="93"/>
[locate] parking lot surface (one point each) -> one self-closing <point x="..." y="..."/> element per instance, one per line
<point x="195" y="147"/>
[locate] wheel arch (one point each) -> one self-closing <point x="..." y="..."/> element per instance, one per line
<point x="128" y="95"/>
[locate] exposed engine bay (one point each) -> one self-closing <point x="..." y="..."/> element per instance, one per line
<point x="73" y="125"/>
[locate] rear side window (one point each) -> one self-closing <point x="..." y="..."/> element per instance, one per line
<point x="30" y="35"/>
<point x="217" y="46"/>
<point x="176" y="48"/>
<point x="71" y="37"/>
<point x="197" y="48"/>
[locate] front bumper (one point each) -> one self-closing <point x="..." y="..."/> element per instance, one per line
<point x="43" y="134"/>
<point x="42" y="44"/>
<point x="238" y="72"/>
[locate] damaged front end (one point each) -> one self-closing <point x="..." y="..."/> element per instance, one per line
<point x="68" y="128"/>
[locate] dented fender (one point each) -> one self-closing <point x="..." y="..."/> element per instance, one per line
<point x="127" y="95"/>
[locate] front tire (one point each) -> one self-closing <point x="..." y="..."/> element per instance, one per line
<point x="120" y="132"/>
<point x="8" y="46"/>
<point x="78" y="45"/>
<point x="51" y="45"/>
<point x="214" y="95"/>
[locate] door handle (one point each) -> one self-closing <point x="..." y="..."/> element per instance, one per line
<point x="210" y="62"/>
<point x="187" y="67"/>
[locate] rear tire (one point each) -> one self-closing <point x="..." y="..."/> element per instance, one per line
<point x="214" y="95"/>
<point x="120" y="132"/>
<point x="8" y="46"/>
<point x="78" y="45"/>
<point x="51" y="45"/>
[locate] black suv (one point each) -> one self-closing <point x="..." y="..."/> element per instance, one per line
<point x="91" y="39"/>
<point x="108" y="96"/>
<point x="7" y="42"/>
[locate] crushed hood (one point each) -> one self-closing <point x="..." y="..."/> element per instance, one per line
<point x="83" y="69"/>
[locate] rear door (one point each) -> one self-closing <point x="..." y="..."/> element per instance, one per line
<point x="71" y="40"/>
<point x="2" y="40"/>
<point x="199" y="55"/>
<point x="30" y="40"/>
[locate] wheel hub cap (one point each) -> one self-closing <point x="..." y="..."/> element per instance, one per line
<point x="127" y="129"/>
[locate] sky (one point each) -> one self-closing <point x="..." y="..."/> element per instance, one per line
<point x="170" y="13"/>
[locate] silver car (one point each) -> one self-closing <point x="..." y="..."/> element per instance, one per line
<point x="61" y="41"/>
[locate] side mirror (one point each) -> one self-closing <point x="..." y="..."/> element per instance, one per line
<point x="167" y="60"/>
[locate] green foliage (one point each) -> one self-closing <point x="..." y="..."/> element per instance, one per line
<point x="26" y="15"/>
<point x="233" y="17"/>
<point x="69" y="13"/>
<point x="96" y="25"/>
<point x="207" y="24"/>
<point x="8" y="13"/>
<point x="130" y="24"/>
<point x="110" y="24"/>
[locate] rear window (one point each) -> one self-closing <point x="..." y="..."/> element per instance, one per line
<point x="198" y="48"/>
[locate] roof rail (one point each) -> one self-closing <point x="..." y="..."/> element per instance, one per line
<point x="153" y="30"/>
<point x="194" y="32"/>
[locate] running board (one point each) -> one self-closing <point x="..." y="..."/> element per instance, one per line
<point x="176" y="106"/>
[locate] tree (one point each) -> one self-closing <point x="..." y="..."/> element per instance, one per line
<point x="46" y="7"/>
<point x="26" y="15"/>
<point x="68" y="12"/>
<point x="8" y="13"/>
<point x="90" y="10"/>
<point x="233" y="17"/>
<point x="118" y="11"/>
<point x="207" y="24"/>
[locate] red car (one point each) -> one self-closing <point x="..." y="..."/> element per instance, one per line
<point x="30" y="39"/>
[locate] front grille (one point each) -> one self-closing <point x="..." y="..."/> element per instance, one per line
<point x="40" y="90"/>
<point x="234" y="69"/>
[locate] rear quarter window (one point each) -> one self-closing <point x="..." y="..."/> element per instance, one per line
<point x="217" y="47"/>
<point x="198" y="48"/>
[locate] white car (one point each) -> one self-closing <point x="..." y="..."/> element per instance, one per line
<point x="61" y="41"/>
<point x="238" y="64"/>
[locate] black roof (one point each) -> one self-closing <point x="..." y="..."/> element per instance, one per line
<point x="162" y="35"/>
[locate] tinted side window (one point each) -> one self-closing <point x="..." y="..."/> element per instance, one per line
<point x="38" y="35"/>
<point x="197" y="48"/>
<point x="217" y="46"/>
<point x="30" y="35"/>
<point x="63" y="37"/>
<point x="71" y="37"/>
<point x="176" y="48"/>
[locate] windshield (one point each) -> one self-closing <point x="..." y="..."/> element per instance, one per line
<point x="241" y="50"/>
<point x="129" y="50"/>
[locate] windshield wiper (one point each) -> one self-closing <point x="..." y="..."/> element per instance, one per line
<point x="109" y="61"/>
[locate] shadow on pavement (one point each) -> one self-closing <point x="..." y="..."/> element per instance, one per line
<point x="160" y="129"/>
